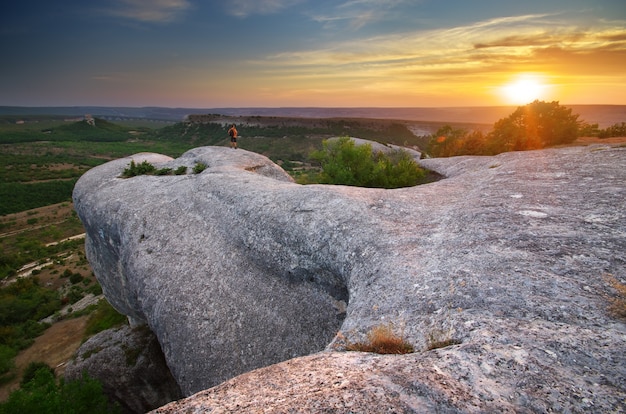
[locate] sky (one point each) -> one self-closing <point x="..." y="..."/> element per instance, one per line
<point x="311" y="53"/>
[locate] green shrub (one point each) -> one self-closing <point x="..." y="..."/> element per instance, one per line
<point x="449" y="141"/>
<point x="44" y="394"/>
<point x="94" y="289"/>
<point x="199" y="167"/>
<point x="145" y="168"/>
<point x="138" y="169"/>
<point x="103" y="318"/>
<point x="163" y="171"/>
<point x="75" y="294"/>
<point x="615" y="130"/>
<point x="344" y="162"/>
<point x="7" y="363"/>
<point x="76" y="278"/>
<point x="306" y="177"/>
<point x="31" y="371"/>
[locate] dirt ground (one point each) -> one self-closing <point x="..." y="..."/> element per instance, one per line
<point x="54" y="347"/>
<point x="45" y="216"/>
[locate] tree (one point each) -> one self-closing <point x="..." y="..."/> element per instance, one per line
<point x="537" y="125"/>
<point x="615" y="130"/>
<point x="445" y="141"/>
<point x="449" y="141"/>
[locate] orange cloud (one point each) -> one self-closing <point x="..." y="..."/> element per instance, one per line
<point x="541" y="39"/>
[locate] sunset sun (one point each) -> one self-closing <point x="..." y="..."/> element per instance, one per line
<point x="524" y="90"/>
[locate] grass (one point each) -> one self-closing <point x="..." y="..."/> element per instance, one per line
<point x="381" y="339"/>
<point x="103" y="318"/>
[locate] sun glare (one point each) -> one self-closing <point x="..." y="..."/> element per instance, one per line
<point x="524" y="90"/>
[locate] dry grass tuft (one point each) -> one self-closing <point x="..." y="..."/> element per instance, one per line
<point x="442" y="344"/>
<point x="618" y="303"/>
<point x="440" y="339"/>
<point x="382" y="340"/>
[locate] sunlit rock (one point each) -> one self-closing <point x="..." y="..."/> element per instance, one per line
<point x="505" y="261"/>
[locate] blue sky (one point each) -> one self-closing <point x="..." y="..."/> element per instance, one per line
<point x="270" y="53"/>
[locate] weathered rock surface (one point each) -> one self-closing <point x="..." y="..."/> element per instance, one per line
<point x="238" y="268"/>
<point x="130" y="365"/>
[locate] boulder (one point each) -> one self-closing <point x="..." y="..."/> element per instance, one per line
<point x="498" y="275"/>
<point x="131" y="367"/>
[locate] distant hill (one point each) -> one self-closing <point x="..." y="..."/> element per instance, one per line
<point x="603" y="115"/>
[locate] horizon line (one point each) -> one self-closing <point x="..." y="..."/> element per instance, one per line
<point x="297" y="107"/>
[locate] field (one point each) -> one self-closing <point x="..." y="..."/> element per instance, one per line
<point x="48" y="227"/>
<point x="41" y="237"/>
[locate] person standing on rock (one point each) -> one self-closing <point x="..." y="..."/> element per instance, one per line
<point x="233" y="136"/>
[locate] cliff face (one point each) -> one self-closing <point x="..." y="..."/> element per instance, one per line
<point x="238" y="268"/>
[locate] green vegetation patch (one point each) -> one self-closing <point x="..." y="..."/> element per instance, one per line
<point x="22" y="303"/>
<point x="533" y="126"/>
<point x="41" y="392"/>
<point x="16" y="197"/>
<point x="135" y="169"/>
<point x="103" y="318"/>
<point x="146" y="168"/>
<point x="344" y="162"/>
<point x="101" y="131"/>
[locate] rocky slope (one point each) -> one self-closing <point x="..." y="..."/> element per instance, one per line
<point x="239" y="268"/>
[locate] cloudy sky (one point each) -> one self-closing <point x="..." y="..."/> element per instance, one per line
<point x="271" y="53"/>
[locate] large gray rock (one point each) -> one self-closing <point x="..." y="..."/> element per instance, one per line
<point x="238" y="268"/>
<point x="129" y="364"/>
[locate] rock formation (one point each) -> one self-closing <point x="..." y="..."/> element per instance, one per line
<point x="130" y="365"/>
<point x="507" y="260"/>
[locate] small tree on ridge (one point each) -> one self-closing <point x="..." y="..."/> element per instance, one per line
<point x="537" y="125"/>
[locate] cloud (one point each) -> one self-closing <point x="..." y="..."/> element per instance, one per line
<point x="153" y="11"/>
<point x="481" y="50"/>
<point x="614" y="37"/>
<point x="532" y="40"/>
<point x="358" y="13"/>
<point x="245" y="8"/>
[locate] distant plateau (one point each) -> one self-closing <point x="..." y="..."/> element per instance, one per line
<point x="603" y="115"/>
